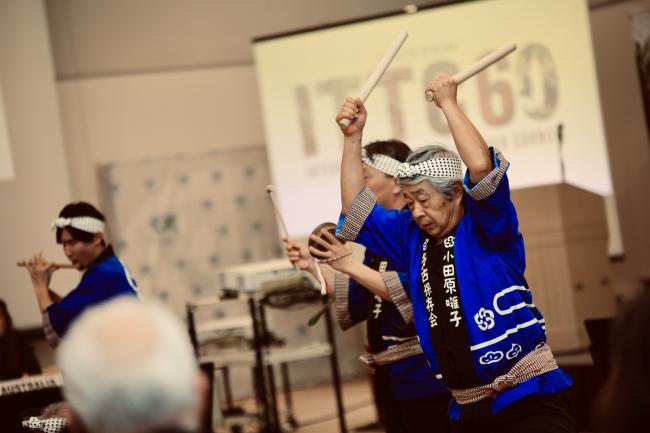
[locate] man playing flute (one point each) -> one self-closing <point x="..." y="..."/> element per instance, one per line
<point x="460" y="244"/>
<point x="80" y="230"/>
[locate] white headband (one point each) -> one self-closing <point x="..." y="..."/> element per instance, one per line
<point x="83" y="223"/>
<point x="49" y="425"/>
<point x="446" y="168"/>
<point x="383" y="163"/>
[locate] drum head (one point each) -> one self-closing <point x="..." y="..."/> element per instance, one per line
<point x="330" y="227"/>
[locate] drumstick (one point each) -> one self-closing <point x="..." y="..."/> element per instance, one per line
<point x="477" y="67"/>
<point x="23" y="264"/>
<point x="269" y="190"/>
<point x="376" y="75"/>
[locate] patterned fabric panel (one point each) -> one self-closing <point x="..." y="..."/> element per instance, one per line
<point x="489" y="183"/>
<point x="175" y="222"/>
<point x="398" y="295"/>
<point x="357" y="215"/>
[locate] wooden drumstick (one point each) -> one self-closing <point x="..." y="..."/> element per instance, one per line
<point x="269" y="190"/>
<point x="23" y="264"/>
<point x="477" y="67"/>
<point x="378" y="72"/>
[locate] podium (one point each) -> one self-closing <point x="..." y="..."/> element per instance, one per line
<point x="567" y="265"/>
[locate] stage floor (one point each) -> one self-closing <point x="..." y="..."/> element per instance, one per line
<point x="315" y="407"/>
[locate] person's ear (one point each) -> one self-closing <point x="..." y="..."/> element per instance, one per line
<point x="98" y="238"/>
<point x="397" y="187"/>
<point x="458" y="191"/>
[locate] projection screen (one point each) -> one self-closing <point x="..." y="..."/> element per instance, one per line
<point x="539" y="106"/>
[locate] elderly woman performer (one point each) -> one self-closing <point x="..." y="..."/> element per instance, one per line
<point x="459" y="241"/>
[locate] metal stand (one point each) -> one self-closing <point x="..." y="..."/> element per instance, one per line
<point x="288" y="401"/>
<point x="262" y="360"/>
<point x="335" y="372"/>
<point x="270" y="425"/>
<point x="268" y="401"/>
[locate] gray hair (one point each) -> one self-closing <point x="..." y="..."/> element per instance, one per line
<point x="425" y="153"/>
<point x="129" y="366"/>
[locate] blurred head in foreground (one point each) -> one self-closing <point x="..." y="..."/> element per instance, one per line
<point x="128" y="367"/>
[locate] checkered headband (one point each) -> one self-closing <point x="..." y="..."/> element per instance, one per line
<point x="383" y="163"/>
<point x="83" y="223"/>
<point x="444" y="168"/>
<point x="49" y="425"/>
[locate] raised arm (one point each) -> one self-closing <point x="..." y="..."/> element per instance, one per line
<point x="470" y="144"/>
<point x="351" y="169"/>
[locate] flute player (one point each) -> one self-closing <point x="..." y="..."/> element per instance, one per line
<point x="80" y="230"/>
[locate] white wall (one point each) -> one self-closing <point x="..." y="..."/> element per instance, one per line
<point x="125" y="36"/>
<point x="155" y="77"/>
<point x="40" y="187"/>
<point x="135" y="117"/>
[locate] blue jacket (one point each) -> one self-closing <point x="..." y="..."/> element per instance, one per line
<point x="502" y="321"/>
<point x="410" y="377"/>
<point x="102" y="281"/>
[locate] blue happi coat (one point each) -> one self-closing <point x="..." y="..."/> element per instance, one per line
<point x="500" y="317"/>
<point x="105" y="279"/>
<point x="410" y="377"/>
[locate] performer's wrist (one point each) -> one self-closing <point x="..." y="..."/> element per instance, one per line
<point x="449" y="104"/>
<point x="44" y="300"/>
<point x="40" y="287"/>
<point x="346" y="264"/>
<point x="353" y="139"/>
